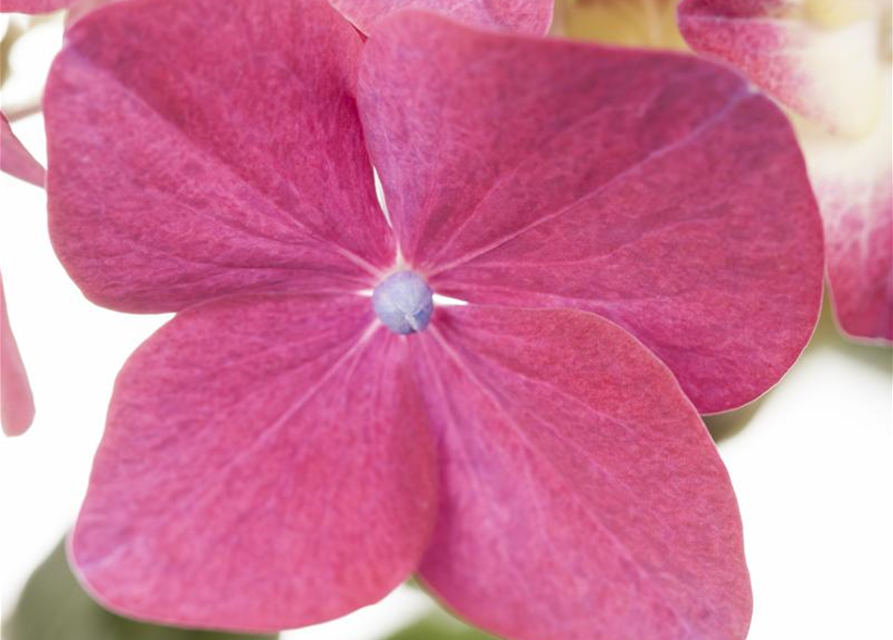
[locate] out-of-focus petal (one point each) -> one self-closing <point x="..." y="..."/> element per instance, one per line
<point x="819" y="57"/>
<point x="581" y="495"/>
<point x="15" y="158"/>
<point x="183" y="166"/>
<point x="524" y="16"/>
<point x="267" y="464"/>
<point x="16" y="401"/>
<point x="852" y="179"/>
<point x="654" y="189"/>
<point x="34" y="6"/>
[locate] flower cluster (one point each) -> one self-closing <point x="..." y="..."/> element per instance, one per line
<point x="632" y="235"/>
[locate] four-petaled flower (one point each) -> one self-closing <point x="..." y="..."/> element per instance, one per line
<point x="287" y="449"/>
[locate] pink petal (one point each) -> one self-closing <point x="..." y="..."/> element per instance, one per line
<point x="266" y="464"/>
<point x="16" y="402"/>
<point x="826" y="72"/>
<point x="524" y="16"/>
<point x="35" y="6"/>
<point x="836" y="76"/>
<point x="184" y="167"/>
<point x="654" y="189"/>
<point x="853" y="180"/>
<point x="15" y="158"/>
<point x="581" y="495"/>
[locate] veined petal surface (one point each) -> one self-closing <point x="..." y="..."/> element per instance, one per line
<point x="581" y="495"/>
<point x="652" y="188"/>
<point x="830" y="62"/>
<point x="200" y="148"/>
<point x="267" y="464"/>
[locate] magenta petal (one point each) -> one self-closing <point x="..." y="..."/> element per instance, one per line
<point x="16" y="401"/>
<point x="524" y="16"/>
<point x="35" y="6"/>
<point x="827" y="62"/>
<point x="654" y="189"/>
<point x="581" y="495"/>
<point x="266" y="464"/>
<point x="15" y="158"/>
<point x="183" y="166"/>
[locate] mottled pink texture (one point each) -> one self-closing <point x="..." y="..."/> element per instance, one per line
<point x="236" y="487"/>
<point x="34" y="6"/>
<point x="15" y="158"/>
<point x="756" y="35"/>
<point x="837" y="81"/>
<point x="577" y="484"/>
<point x="283" y="198"/>
<point x="275" y="458"/>
<point x="16" y="401"/>
<point x="779" y="45"/>
<point x="690" y="222"/>
<point x="523" y="16"/>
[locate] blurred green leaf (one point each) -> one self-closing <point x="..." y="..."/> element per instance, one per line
<point x="440" y="626"/>
<point x="53" y="606"/>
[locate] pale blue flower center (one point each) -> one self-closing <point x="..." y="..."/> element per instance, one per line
<point x="403" y="302"/>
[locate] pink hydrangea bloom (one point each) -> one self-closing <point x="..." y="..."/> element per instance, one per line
<point x="831" y="63"/>
<point x="287" y="449"/>
<point x="16" y="401"/>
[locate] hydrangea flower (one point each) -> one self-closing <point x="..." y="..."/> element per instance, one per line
<point x="626" y="227"/>
<point x="16" y="400"/>
<point x="831" y="63"/>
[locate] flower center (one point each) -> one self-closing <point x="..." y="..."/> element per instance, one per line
<point x="403" y="302"/>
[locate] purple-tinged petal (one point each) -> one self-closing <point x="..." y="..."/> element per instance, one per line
<point x="16" y="401"/>
<point x="184" y="167"/>
<point x="15" y="159"/>
<point x="35" y="6"/>
<point x="267" y="463"/>
<point x="523" y="16"/>
<point x="581" y="495"/>
<point x="654" y="189"/>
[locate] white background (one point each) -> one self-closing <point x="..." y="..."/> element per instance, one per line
<point x="812" y="462"/>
